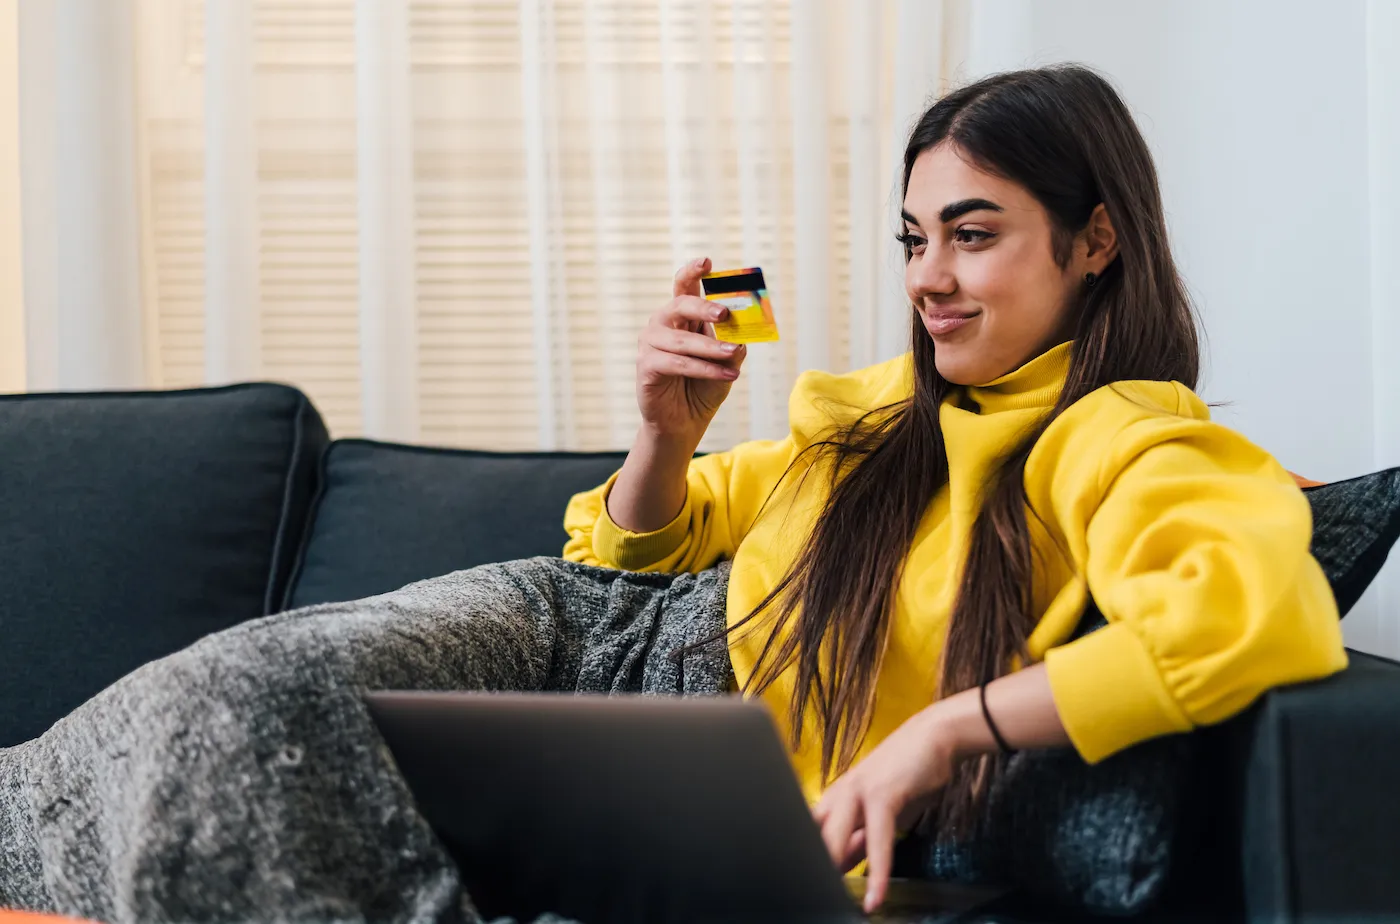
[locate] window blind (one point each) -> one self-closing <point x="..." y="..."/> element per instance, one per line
<point x="663" y="130"/>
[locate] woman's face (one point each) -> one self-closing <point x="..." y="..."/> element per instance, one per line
<point x="981" y="271"/>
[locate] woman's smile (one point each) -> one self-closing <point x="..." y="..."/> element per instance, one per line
<point x="943" y="322"/>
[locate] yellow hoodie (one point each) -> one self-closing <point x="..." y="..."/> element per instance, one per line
<point x="1192" y="541"/>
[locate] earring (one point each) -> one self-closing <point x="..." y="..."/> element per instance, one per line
<point x="1090" y="280"/>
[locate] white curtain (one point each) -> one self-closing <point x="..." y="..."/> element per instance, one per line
<point x="80" y="218"/>
<point x="12" y="365"/>
<point x="447" y="222"/>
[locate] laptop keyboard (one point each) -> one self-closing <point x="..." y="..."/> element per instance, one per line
<point x="915" y="917"/>
<point x="910" y="901"/>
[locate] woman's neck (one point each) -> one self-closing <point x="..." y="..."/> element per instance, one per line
<point x="1037" y="384"/>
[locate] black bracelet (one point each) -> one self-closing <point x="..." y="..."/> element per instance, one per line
<point x="992" y="726"/>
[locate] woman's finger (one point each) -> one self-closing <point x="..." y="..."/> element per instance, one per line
<point x="879" y="849"/>
<point x="685" y="310"/>
<point x="855" y="851"/>
<point x="661" y="363"/>
<point x="839" y="827"/>
<point x="687" y="281"/>
<point x="688" y="343"/>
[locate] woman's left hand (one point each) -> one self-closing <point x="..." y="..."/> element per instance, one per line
<point x="862" y="812"/>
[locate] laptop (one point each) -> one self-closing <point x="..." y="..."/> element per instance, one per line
<point x="628" y="808"/>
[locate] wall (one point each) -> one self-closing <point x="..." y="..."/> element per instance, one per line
<point x="11" y="283"/>
<point x="1257" y="113"/>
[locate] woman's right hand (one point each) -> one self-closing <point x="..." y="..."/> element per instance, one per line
<point x="683" y="372"/>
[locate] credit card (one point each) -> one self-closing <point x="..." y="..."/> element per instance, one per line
<point x="745" y="294"/>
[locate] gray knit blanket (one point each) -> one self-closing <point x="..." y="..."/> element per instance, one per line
<point x="242" y="779"/>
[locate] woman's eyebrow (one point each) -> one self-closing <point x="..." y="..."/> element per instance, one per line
<point x="955" y="210"/>
<point x="960" y="208"/>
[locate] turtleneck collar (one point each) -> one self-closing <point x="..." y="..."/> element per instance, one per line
<point x="1036" y="385"/>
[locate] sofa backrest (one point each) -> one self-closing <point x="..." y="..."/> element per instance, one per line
<point x="390" y="514"/>
<point x="136" y="522"/>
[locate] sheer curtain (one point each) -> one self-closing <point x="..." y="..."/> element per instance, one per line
<point x="12" y="365"/>
<point x="447" y="221"/>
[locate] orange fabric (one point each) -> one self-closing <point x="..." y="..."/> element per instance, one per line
<point x="34" y="917"/>
<point x="1306" y="482"/>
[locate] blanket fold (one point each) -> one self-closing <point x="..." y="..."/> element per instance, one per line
<point x="242" y="779"/>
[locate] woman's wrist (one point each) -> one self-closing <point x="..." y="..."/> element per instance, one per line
<point x="665" y="444"/>
<point x="650" y="489"/>
<point x="959" y="722"/>
<point x="1022" y="706"/>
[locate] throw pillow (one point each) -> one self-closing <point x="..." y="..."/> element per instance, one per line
<point x="1355" y="522"/>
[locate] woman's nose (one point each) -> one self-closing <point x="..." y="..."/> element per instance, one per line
<point x="929" y="274"/>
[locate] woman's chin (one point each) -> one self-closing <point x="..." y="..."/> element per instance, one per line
<point x="956" y="363"/>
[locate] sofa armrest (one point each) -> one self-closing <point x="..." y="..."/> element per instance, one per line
<point x="1319" y="798"/>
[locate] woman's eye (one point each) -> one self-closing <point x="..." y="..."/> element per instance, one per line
<point x="969" y="236"/>
<point x="912" y="243"/>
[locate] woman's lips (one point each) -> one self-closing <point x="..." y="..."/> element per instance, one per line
<point x="945" y="322"/>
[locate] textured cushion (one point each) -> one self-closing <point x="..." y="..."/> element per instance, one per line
<point x="1355" y="522"/>
<point x="1098" y="838"/>
<point x="390" y="514"/>
<point x="1083" y="838"/>
<point x="136" y="522"/>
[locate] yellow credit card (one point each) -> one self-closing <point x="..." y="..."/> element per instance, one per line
<point x="745" y="294"/>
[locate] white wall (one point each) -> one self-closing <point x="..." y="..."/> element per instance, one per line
<point x="1383" y="72"/>
<point x="1257" y="113"/>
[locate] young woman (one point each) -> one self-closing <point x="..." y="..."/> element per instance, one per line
<point x="911" y="560"/>
<point x="910" y="565"/>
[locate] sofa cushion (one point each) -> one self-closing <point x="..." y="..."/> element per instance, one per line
<point x="390" y="514"/>
<point x="136" y="522"/>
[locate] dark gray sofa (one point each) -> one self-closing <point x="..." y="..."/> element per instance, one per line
<point x="134" y="523"/>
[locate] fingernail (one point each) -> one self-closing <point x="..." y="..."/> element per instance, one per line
<point x="717" y="313"/>
<point x="731" y="347"/>
<point x="701" y="262"/>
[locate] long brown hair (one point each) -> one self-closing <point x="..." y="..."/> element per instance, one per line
<point x="1064" y="134"/>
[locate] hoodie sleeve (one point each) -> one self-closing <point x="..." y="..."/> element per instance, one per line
<point x="724" y="494"/>
<point x="1198" y="557"/>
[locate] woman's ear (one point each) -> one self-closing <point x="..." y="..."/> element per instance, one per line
<point x="1100" y="240"/>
